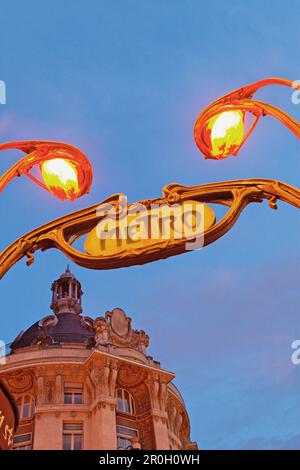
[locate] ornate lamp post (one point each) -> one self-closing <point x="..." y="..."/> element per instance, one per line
<point x="220" y="131"/>
<point x="65" y="171"/>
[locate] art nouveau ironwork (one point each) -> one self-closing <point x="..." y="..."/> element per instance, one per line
<point x="65" y="171"/>
<point x="63" y="232"/>
<point x="220" y="129"/>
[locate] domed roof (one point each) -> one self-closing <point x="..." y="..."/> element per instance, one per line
<point x="67" y="325"/>
<point x="64" y="328"/>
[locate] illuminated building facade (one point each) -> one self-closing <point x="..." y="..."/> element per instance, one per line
<point x="83" y="383"/>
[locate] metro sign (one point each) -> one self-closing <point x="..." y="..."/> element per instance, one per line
<point x="8" y="420"/>
<point x="117" y="234"/>
<point x="151" y="226"/>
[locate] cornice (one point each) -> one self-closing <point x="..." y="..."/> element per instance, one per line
<point x="67" y="356"/>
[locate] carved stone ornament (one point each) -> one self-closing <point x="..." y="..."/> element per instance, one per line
<point x="131" y="376"/>
<point x="177" y="418"/>
<point x="103" y="376"/>
<point x="87" y="322"/>
<point x="50" y="391"/>
<point x="20" y="382"/>
<point x="75" y="371"/>
<point x="48" y="322"/>
<point x="158" y="391"/>
<point x="120" y="324"/>
<point x="115" y="329"/>
<point x="101" y="332"/>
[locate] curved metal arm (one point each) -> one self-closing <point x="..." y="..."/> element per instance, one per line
<point x="38" y="151"/>
<point x="62" y="232"/>
<point x="241" y="99"/>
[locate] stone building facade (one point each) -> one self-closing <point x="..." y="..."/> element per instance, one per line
<point x="83" y="383"/>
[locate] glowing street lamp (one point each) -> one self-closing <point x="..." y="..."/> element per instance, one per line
<point x="221" y="128"/>
<point x="220" y="131"/>
<point x="65" y="171"/>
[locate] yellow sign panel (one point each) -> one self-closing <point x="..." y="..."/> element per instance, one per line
<point x="137" y="227"/>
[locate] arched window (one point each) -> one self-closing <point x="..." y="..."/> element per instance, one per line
<point x="125" y="402"/>
<point x="26" y="406"/>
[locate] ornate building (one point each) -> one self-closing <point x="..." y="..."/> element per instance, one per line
<point x="81" y="383"/>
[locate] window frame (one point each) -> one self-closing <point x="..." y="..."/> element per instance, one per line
<point x="131" y="402"/>
<point x="73" y="391"/>
<point x="126" y="436"/>
<point x="24" y="447"/>
<point x="72" y="433"/>
<point x="21" y="402"/>
<point x="21" y="445"/>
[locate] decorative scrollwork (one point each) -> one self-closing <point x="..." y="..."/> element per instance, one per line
<point x="20" y="382"/>
<point x="236" y="195"/>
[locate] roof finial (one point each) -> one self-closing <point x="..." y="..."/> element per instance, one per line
<point x="68" y="269"/>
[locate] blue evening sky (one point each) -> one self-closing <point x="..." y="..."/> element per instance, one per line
<point x="124" y="81"/>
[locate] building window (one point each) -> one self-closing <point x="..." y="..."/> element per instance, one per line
<point x="73" y="396"/>
<point x="23" y="442"/>
<point x="26" y="406"/>
<point x="72" y="436"/>
<point x="125" y="402"/>
<point x="26" y="447"/>
<point x="124" y="436"/>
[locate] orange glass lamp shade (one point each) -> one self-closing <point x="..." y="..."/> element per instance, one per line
<point x="221" y="128"/>
<point x="65" y="171"/>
